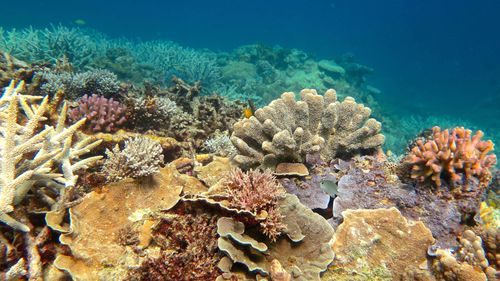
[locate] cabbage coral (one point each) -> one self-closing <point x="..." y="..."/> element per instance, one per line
<point x="452" y="155"/>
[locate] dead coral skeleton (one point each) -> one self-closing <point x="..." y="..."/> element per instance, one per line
<point x="56" y="152"/>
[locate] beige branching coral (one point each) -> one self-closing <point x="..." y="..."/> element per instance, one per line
<point x="25" y="132"/>
<point x="287" y="130"/>
<point x="452" y="154"/>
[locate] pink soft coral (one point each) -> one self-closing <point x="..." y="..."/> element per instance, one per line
<point x="257" y="192"/>
<point x="452" y="155"/>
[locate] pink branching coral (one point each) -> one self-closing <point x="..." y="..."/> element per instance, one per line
<point x="257" y="192"/>
<point x="451" y="155"/>
<point x="103" y="115"/>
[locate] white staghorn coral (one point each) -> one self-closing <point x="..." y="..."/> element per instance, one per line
<point x="56" y="153"/>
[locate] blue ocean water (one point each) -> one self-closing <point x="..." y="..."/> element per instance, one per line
<point x="430" y="57"/>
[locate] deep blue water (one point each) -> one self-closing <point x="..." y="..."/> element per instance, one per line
<point x="429" y="55"/>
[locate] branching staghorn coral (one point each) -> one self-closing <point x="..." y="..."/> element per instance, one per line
<point x="140" y="157"/>
<point x="50" y="44"/>
<point x="56" y="152"/>
<point x="287" y="130"/>
<point x="96" y="81"/>
<point x="453" y="154"/>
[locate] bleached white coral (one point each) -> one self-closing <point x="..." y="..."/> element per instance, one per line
<point x="140" y="157"/>
<point x="56" y="151"/>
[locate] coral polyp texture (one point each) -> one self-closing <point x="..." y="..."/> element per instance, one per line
<point x="454" y="155"/>
<point x="103" y="115"/>
<point x="257" y="192"/>
<point x="287" y="130"/>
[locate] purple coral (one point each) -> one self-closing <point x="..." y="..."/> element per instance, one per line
<point x="103" y="115"/>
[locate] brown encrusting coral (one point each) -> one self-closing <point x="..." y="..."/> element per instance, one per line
<point x="287" y="130"/>
<point x="454" y="155"/>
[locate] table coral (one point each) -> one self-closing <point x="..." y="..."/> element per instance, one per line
<point x="287" y="130"/>
<point x="304" y="252"/>
<point x="455" y="155"/>
<point x="101" y="223"/>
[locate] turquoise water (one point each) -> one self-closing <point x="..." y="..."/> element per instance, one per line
<point x="434" y="62"/>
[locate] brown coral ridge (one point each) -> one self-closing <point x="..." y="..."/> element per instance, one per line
<point x="287" y="130"/>
<point x="454" y="155"/>
<point x="180" y="112"/>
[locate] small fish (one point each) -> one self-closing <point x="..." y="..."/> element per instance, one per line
<point x="330" y="187"/>
<point x="247" y="112"/>
<point x="80" y="22"/>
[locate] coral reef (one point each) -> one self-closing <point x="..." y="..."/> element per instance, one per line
<point x="220" y="144"/>
<point x="103" y="115"/>
<point x="454" y="155"/>
<point x="287" y="130"/>
<point x="189" y="248"/>
<point x="304" y="253"/>
<point x="140" y="157"/>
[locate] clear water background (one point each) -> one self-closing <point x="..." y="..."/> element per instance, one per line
<point x="430" y="57"/>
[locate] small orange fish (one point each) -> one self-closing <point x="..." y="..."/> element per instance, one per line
<point x="247" y="112"/>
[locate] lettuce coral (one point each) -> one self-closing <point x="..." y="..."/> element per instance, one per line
<point x="454" y="155"/>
